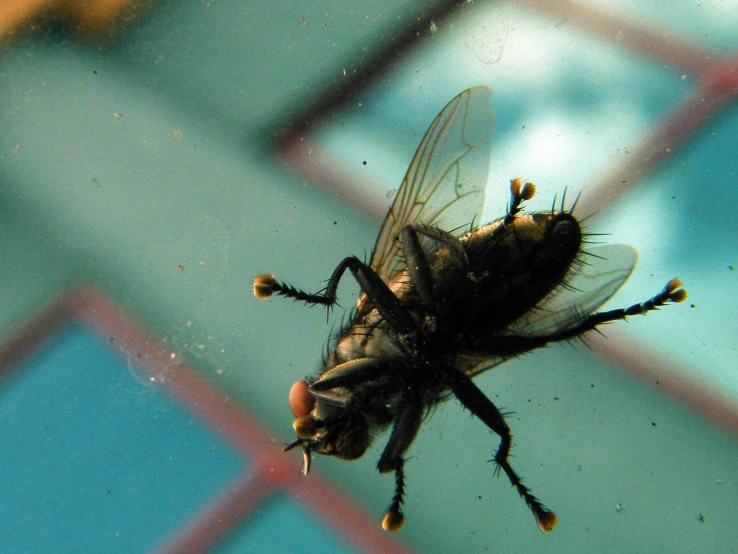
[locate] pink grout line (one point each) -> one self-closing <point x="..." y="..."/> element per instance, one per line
<point x="222" y="517"/>
<point x="91" y="307"/>
<point x="21" y="344"/>
<point x="718" y="86"/>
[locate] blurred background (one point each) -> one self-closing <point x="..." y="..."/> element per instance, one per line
<point x="156" y="156"/>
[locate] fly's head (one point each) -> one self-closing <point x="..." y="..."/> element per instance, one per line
<point x="325" y="427"/>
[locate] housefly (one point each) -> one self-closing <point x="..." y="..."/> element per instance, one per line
<point x="443" y="300"/>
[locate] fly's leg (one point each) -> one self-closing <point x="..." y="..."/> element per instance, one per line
<point x="515" y="345"/>
<point x="388" y="305"/>
<point x="265" y="285"/>
<point x="403" y="433"/>
<point x="482" y="407"/>
<point x="394" y="519"/>
<point x="416" y="260"/>
<point x="347" y="374"/>
<point x="350" y="373"/>
<point x="672" y="292"/>
<point x="418" y="268"/>
<point x="519" y="191"/>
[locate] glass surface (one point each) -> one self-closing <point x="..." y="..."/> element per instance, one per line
<point x="138" y="154"/>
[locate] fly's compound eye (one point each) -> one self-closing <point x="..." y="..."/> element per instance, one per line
<point x="300" y="399"/>
<point x="264" y="286"/>
<point x="566" y="237"/>
<point x="305" y="427"/>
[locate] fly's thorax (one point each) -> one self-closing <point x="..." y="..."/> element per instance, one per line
<point x="367" y="337"/>
<point x="448" y="271"/>
<point x="519" y="263"/>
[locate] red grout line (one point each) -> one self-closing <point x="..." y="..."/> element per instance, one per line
<point x="718" y="77"/>
<point x="414" y="29"/>
<point x="23" y="342"/>
<point x="718" y="87"/>
<point x="271" y="471"/>
<point x="330" y="175"/>
<point x="270" y="476"/>
<point x="221" y="518"/>
<point x="344" y="516"/>
<point x="721" y="81"/>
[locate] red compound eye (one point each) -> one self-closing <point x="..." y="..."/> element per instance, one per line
<point x="301" y="401"/>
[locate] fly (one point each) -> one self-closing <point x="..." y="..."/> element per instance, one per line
<point x="442" y="301"/>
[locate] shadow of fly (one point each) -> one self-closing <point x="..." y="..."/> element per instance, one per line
<point x="442" y="301"/>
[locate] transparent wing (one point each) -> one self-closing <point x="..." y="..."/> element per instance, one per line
<point x="585" y="291"/>
<point x="444" y="184"/>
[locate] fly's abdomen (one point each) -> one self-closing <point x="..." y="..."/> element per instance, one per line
<point x="519" y="264"/>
